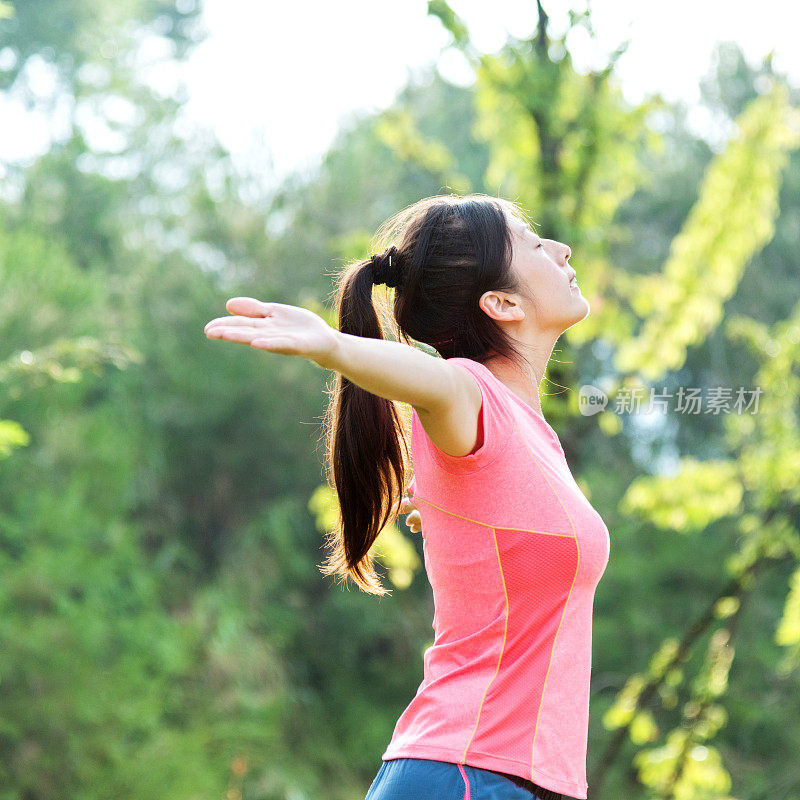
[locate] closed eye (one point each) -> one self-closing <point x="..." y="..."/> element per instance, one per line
<point x="533" y="233"/>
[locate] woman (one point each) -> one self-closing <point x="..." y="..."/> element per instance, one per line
<point x="513" y="549"/>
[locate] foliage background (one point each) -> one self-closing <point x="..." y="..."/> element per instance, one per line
<point x="164" y="628"/>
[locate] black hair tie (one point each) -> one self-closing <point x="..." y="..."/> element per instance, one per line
<point x="384" y="269"/>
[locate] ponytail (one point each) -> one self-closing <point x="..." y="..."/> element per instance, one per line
<point x="366" y="447"/>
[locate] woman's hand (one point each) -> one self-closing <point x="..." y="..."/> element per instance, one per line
<point x="277" y="328"/>
<point x="413" y="520"/>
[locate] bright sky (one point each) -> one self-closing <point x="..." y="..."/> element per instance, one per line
<point x="276" y="81"/>
<point x="304" y="68"/>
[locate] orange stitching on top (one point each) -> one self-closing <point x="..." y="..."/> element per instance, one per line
<point x="564" y="611"/>
<point x="502" y="647"/>
<point x="486" y="525"/>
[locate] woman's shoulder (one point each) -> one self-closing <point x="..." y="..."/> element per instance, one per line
<point x="494" y="423"/>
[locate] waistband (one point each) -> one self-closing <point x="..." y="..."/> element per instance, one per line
<point x="539" y="791"/>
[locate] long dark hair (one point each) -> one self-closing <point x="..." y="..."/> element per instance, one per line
<point x="446" y="250"/>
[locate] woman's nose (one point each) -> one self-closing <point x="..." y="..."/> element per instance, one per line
<point x="569" y="252"/>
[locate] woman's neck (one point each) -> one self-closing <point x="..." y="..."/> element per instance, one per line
<point x="522" y="381"/>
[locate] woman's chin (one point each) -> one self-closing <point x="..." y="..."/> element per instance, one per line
<point x="582" y="311"/>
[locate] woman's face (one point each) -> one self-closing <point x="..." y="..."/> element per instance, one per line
<point x="542" y="268"/>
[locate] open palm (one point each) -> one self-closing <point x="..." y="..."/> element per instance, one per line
<point x="276" y="327"/>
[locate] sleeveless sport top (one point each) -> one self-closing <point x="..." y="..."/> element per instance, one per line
<point x="513" y="552"/>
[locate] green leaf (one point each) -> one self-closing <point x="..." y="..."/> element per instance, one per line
<point x="700" y="493"/>
<point x="12" y="435"/>
<point x="733" y="218"/>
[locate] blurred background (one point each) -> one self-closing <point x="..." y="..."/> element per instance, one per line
<point x="164" y="627"/>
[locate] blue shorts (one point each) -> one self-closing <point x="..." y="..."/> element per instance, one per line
<point x="424" y="779"/>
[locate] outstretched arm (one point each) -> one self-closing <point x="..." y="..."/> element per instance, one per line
<point x="389" y="369"/>
<point x="447" y="399"/>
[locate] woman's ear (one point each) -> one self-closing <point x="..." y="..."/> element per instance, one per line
<point x="502" y="306"/>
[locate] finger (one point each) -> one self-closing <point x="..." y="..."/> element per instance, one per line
<point x="217" y="329"/>
<point x="398" y="508"/>
<point x="248" y="307"/>
<point x="405" y="505"/>
<point x="413" y="519"/>
<point x="234" y="334"/>
<point x="229" y="321"/>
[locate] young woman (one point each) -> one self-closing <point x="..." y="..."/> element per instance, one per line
<point x="513" y="549"/>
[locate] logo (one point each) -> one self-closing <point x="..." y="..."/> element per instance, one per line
<point x="591" y="400"/>
<point x="646" y="400"/>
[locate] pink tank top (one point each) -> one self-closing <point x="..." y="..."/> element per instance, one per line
<point x="513" y="552"/>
